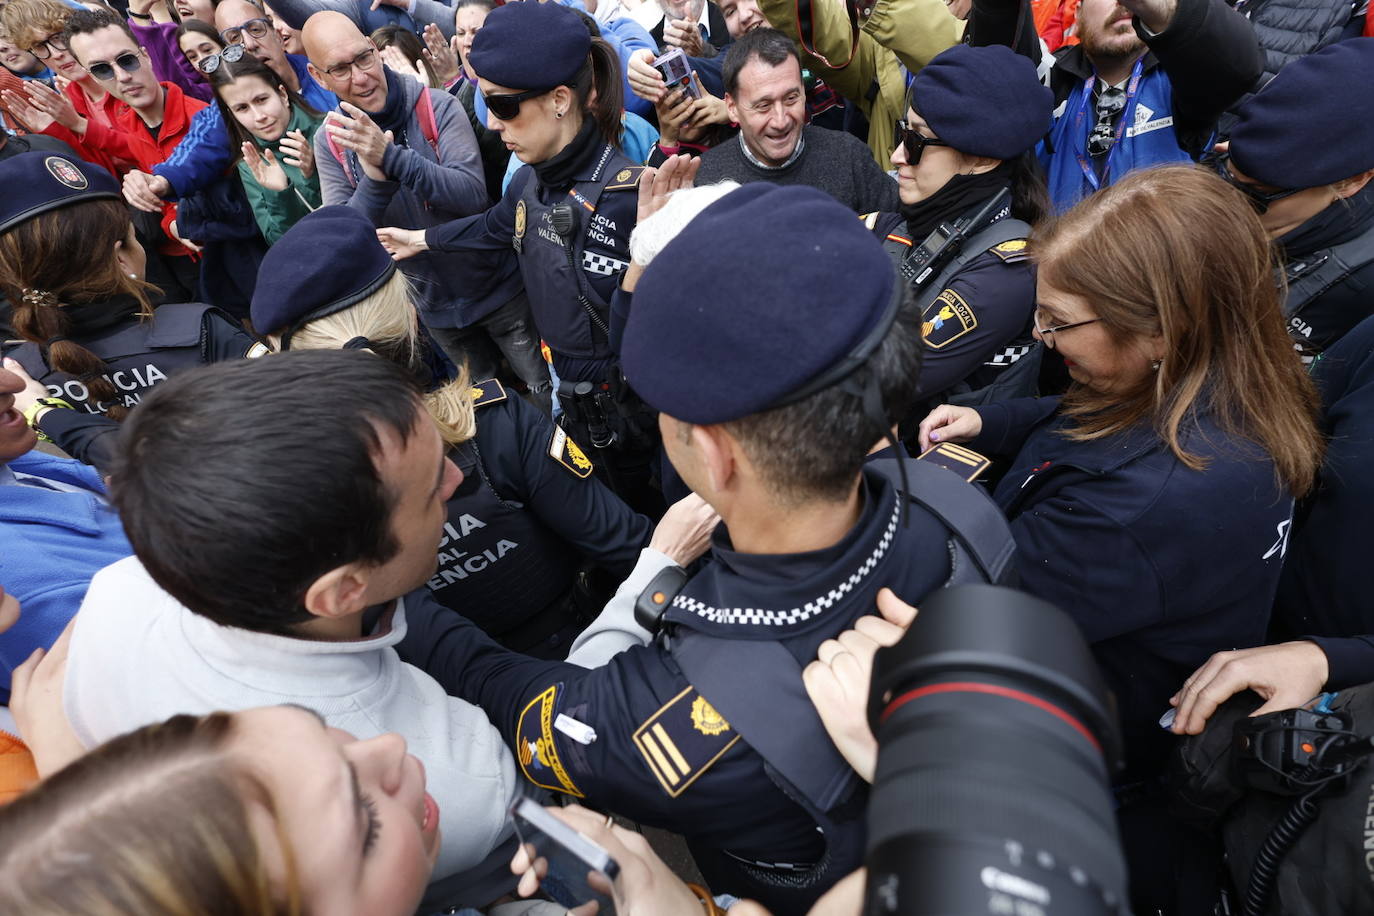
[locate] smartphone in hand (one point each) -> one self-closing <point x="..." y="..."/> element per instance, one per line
<point x="575" y="871"/>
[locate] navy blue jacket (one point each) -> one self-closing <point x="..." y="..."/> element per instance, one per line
<point x="1159" y="564"/>
<point x="724" y="799"/>
<point x="1325" y="586"/>
<point x="1349" y="662"/>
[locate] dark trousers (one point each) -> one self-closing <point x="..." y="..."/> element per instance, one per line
<point x="509" y="331"/>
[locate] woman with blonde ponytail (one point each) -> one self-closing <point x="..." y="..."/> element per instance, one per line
<point x="73" y="270"/>
<point x="529" y="521"/>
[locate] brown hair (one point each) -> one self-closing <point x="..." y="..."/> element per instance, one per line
<point x="23" y="19"/>
<point x="158" y="822"/>
<point x="65" y="257"/>
<point x="1175" y="251"/>
<point x="410" y="46"/>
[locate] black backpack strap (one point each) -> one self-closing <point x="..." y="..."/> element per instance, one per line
<point x="177" y="324"/>
<point x="1312" y="276"/>
<point x="979" y="534"/>
<point x="782" y="727"/>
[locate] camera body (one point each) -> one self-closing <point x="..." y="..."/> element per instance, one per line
<point x="677" y="72"/>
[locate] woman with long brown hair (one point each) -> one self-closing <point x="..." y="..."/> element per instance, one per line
<point x="1152" y="502"/>
<point x="72" y="270"/>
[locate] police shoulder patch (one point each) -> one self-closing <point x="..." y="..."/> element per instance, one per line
<point x="625" y="178"/>
<point x="489" y="391"/>
<point x="1012" y="251"/>
<point x="683" y="740"/>
<point x="567" y="453"/>
<point x="536" y="747"/>
<point x="965" y="462"/>
<point x="947" y="319"/>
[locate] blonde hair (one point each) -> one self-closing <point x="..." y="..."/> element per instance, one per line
<point x="23" y="19"/>
<point x="1177" y="252"/>
<point x="388" y="320"/>
<point x="158" y="822"/>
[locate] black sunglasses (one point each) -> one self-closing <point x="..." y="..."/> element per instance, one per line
<point x="230" y="55"/>
<point x="507" y="106"/>
<point x="914" y="142"/>
<point x="1260" y="200"/>
<point x="129" y="62"/>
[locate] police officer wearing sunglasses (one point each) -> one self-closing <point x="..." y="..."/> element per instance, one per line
<point x="554" y="96"/>
<point x="1302" y="152"/>
<point x="974" y="115"/>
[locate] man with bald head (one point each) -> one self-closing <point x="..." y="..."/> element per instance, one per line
<point x="205" y="153"/>
<point x="405" y="155"/>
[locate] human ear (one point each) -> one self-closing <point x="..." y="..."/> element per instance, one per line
<point x="338" y="593"/>
<point x="713" y="447"/>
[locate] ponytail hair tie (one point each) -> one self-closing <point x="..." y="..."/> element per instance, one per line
<point x="39" y="297"/>
<point x="57" y="338"/>
<point x="358" y="343"/>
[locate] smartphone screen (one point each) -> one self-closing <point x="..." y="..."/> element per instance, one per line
<point x="575" y="871"/>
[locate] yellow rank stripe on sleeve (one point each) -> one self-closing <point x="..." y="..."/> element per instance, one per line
<point x="486" y="392"/>
<point x="965" y="462"/>
<point x="536" y="749"/>
<point x="567" y="453"/>
<point x="683" y="740"/>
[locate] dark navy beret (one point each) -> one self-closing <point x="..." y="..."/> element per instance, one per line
<point x="983" y="101"/>
<point x="326" y="262"/>
<point x="799" y="284"/>
<point x="37" y="182"/>
<point x="1313" y="123"/>
<point x="531" y="46"/>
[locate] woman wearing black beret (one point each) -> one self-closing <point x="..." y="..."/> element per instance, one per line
<point x="554" y="95"/>
<point x="974" y="116"/>
<point x="73" y="271"/>
<point x="1302" y="151"/>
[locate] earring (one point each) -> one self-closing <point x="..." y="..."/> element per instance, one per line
<point x="558" y="114"/>
<point x="133" y="276"/>
<point x="1155" y="364"/>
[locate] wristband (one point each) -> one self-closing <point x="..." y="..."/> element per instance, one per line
<point x="707" y="901"/>
<point x="143" y="16"/>
<point x="669" y="150"/>
<point x="35" y="411"/>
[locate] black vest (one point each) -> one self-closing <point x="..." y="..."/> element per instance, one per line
<point x="138" y="355"/>
<point x="1310" y="277"/>
<point x="570" y="277"/>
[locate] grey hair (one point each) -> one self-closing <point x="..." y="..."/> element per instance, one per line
<point x="651" y="236"/>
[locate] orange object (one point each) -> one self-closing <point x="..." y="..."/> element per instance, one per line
<point x="17" y="772"/>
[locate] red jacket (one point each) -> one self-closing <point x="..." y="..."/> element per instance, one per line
<point x="110" y="153"/>
<point x="147" y="150"/>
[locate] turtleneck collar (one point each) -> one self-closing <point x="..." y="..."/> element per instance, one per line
<point x="560" y="170"/>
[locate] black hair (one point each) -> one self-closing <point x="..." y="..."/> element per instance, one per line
<point x="814" y="449"/>
<point x="241" y="483"/>
<point x="766" y="44"/>
<point x="248" y="65"/>
<point x="84" y="21"/>
<point x="601" y="75"/>
<point x="1030" y="197"/>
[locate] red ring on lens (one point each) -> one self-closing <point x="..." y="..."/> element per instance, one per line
<point x="1009" y="693"/>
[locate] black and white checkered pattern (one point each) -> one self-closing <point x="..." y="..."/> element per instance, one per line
<point x="602" y="265"/>
<point x="762" y="617"/>
<point x="1009" y="355"/>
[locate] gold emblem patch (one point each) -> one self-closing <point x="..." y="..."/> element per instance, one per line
<point x="520" y="220"/>
<point x="706" y="720"/>
<point x="683" y="740"/>
<point x="567" y="453"/>
<point x="489" y="391"/>
<point x="947" y="319"/>
<point x="1014" y="250"/>
<point x="623" y="175"/>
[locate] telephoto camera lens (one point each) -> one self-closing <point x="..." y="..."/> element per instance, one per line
<point x="991" y="795"/>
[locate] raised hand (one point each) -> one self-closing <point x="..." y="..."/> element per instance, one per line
<point x="441" y="54"/>
<point x="267" y="171"/>
<point x="298" y="151"/>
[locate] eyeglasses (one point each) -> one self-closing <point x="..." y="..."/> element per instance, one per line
<point x="129" y="62"/>
<point x="507" y="106"/>
<point x="914" y="143"/>
<point x="230" y="55"/>
<point x="45" y="48"/>
<point x="364" y="61"/>
<point x="1047" y="334"/>
<point x="258" y="28"/>
<point x="1258" y="199"/>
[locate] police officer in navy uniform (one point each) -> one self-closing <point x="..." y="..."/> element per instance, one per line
<point x="554" y="95"/>
<point x="966" y="152"/>
<point x="1303" y="152"/>
<point x="531" y="531"/>
<point x="73" y="269"/>
<point x="706" y="730"/>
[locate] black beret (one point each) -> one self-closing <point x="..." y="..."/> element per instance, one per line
<point x="983" y="101"/>
<point x="531" y="46"/>
<point x="1313" y="123"/>
<point x="37" y="182"/>
<point x="799" y="285"/>
<point x="326" y="262"/>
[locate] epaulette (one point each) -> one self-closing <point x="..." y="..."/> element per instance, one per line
<point x="257" y="351"/>
<point x="567" y="453"/>
<point x="965" y="462"/>
<point x="870" y="219"/>
<point x="487" y="392"/>
<point x="1012" y="251"/>
<point x="626" y="178"/>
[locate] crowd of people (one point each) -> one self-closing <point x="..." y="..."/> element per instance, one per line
<point x="408" y="408"/>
